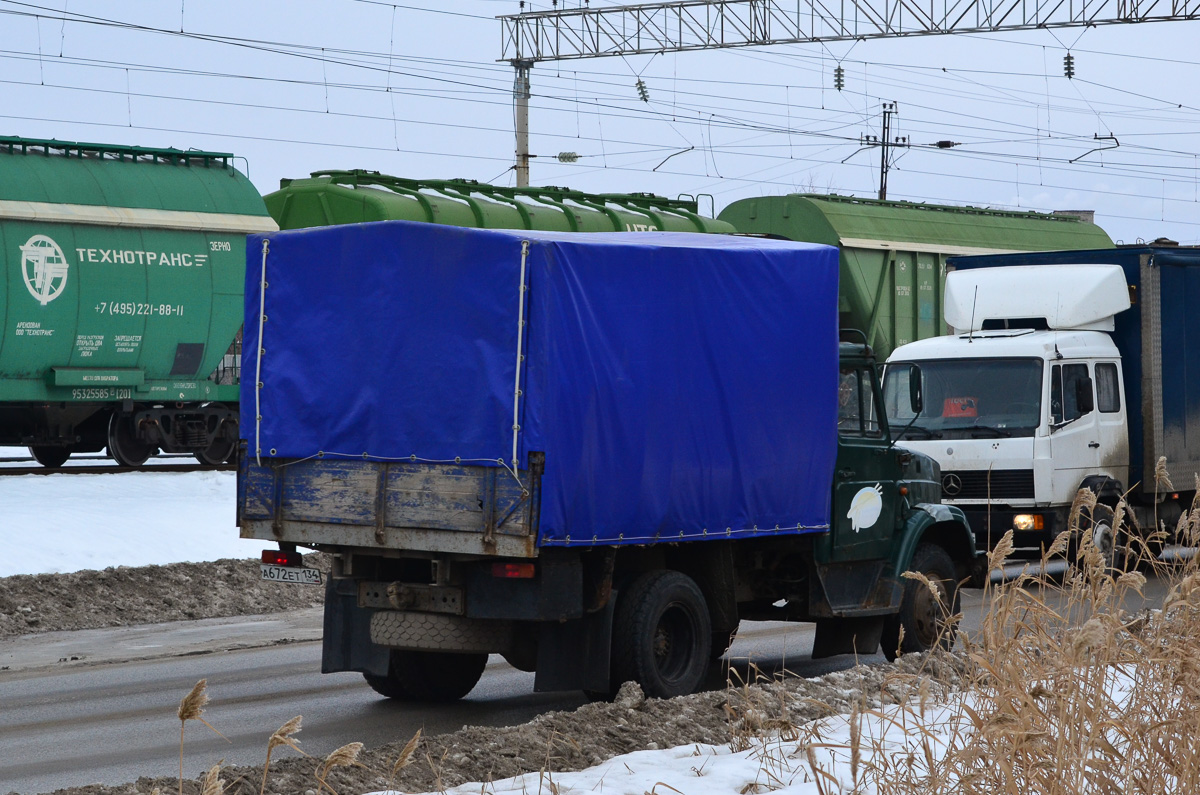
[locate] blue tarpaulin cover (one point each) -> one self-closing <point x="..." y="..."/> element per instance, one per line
<point x="680" y="385"/>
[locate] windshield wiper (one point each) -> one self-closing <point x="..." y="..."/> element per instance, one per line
<point x="981" y="431"/>
<point x="920" y="429"/>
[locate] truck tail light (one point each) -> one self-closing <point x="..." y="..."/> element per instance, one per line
<point x="513" y="571"/>
<point x="277" y="557"/>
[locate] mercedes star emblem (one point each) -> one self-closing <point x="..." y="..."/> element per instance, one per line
<point x="951" y="484"/>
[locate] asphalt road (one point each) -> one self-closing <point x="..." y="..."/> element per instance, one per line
<point x="107" y="717"/>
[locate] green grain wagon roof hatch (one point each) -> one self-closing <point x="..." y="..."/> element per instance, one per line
<point x="61" y="181"/>
<point x="894" y="253"/>
<point x="341" y="197"/>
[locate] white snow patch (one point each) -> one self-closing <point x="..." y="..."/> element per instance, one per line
<point x="64" y="523"/>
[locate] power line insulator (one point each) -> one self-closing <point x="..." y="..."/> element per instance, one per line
<point x="568" y="157"/>
<point x="839" y="78"/>
<point x="1069" y="65"/>
<point x="643" y="92"/>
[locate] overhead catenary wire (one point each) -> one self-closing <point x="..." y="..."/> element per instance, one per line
<point x="746" y="124"/>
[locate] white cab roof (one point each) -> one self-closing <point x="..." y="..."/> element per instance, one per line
<point x="1010" y="344"/>
<point x="1067" y="296"/>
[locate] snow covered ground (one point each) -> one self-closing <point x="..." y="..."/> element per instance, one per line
<point x="780" y="766"/>
<point x="63" y="523"/>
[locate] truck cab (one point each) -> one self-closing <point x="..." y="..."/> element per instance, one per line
<point x="1030" y="399"/>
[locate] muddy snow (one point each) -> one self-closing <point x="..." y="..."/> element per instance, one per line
<point x="122" y="596"/>
<point x="556" y="741"/>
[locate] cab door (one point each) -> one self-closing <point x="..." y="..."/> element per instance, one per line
<point x="1110" y="420"/>
<point x="863" y="520"/>
<point x="1075" y="446"/>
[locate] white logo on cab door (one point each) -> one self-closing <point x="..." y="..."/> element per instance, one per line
<point x="44" y="268"/>
<point x="866" y="507"/>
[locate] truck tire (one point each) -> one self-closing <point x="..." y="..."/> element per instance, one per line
<point x="662" y="635"/>
<point x="923" y="617"/>
<point x="51" y="457"/>
<point x="428" y="675"/>
<point x="1111" y="543"/>
<point x="439" y="632"/>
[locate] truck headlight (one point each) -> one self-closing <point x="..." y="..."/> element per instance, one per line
<point x="1028" y="521"/>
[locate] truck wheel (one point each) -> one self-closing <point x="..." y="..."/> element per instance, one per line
<point x="1111" y="542"/>
<point x="431" y="676"/>
<point x="124" y="445"/>
<point x="662" y="635"/>
<point x="924" y="616"/>
<point x="50" y="457"/>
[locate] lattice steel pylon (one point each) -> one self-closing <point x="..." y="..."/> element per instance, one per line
<point x="567" y="34"/>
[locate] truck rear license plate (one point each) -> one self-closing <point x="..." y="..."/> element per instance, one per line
<point x="291" y="574"/>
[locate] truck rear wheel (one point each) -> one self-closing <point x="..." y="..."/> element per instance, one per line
<point x="662" y="635"/>
<point x="431" y="676"/>
<point x="924" y="617"/>
<point x="51" y="457"/>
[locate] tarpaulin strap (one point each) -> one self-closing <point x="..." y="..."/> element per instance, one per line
<point x="262" y="317"/>
<point x="516" y="426"/>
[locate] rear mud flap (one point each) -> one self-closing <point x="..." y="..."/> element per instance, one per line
<point x="574" y="655"/>
<point x="346" y="645"/>
<point x="847" y="636"/>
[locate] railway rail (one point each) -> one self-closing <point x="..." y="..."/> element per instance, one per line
<point x="111" y="469"/>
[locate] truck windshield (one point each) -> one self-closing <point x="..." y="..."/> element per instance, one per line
<point x="967" y="398"/>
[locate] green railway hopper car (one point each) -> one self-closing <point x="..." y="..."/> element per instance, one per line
<point x="893" y="254"/>
<point x="121" y="299"/>
<point x="347" y="197"/>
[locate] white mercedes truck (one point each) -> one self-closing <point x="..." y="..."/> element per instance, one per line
<point x="1063" y="371"/>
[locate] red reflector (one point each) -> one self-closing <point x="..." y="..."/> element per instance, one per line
<point x="277" y="557"/>
<point x="513" y="571"/>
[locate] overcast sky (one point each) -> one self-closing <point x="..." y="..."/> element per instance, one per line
<point x="415" y="90"/>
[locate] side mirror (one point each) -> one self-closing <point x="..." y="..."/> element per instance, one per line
<point x="916" y="399"/>
<point x="1083" y="396"/>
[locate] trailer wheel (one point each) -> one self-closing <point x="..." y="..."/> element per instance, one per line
<point x="662" y="634"/>
<point x="924" y="616"/>
<point x="431" y="676"/>
<point x="51" y="457"/>
<point x="123" y="443"/>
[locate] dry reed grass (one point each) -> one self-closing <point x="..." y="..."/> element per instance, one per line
<point x="345" y="756"/>
<point x="284" y="735"/>
<point x="191" y="707"/>
<point x="1066" y="692"/>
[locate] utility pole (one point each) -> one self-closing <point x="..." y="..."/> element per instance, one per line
<point x="521" y="108"/>
<point x="885" y="142"/>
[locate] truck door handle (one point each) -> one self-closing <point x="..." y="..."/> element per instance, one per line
<point x="846" y="474"/>
<point x="1093" y="444"/>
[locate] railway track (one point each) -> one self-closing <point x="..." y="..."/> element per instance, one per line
<point x="111" y="469"/>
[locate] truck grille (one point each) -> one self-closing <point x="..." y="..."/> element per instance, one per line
<point x="980" y="484"/>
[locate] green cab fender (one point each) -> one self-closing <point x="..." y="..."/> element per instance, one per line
<point x="944" y="525"/>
